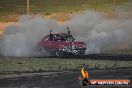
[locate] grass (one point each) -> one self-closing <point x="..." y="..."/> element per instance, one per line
<point x="20" y="65"/>
<point x="54" y="5"/>
<point x="18" y="7"/>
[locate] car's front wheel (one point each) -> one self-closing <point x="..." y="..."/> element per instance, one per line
<point x="59" y="53"/>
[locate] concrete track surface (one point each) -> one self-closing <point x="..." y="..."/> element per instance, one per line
<point x="63" y="79"/>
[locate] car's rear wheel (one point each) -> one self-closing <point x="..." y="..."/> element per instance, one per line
<point x="59" y="53"/>
<point x="82" y="53"/>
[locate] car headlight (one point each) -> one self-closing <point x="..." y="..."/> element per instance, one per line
<point x="78" y="47"/>
<point x="84" y="46"/>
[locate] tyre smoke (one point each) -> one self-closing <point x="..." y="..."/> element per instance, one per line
<point x="97" y="31"/>
<point x="101" y="33"/>
<point x="21" y="39"/>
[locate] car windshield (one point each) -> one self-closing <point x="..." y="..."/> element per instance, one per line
<point x="69" y="38"/>
<point x="64" y="38"/>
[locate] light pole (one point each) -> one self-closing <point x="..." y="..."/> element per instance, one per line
<point x="77" y="4"/>
<point x="114" y="4"/>
<point x="58" y="6"/>
<point x="95" y="5"/>
<point x="27" y="6"/>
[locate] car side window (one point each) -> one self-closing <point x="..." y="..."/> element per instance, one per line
<point x="59" y="37"/>
<point x="55" y="38"/>
<point x="52" y="37"/>
<point x="46" y="38"/>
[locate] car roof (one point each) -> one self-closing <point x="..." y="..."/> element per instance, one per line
<point x="60" y="34"/>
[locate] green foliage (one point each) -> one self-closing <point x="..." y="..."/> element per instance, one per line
<point x="19" y="6"/>
<point x="11" y="65"/>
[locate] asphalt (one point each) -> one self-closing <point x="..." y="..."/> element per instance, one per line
<point x="63" y="79"/>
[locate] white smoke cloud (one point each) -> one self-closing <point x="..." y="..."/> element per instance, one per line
<point x="21" y="39"/>
<point x="98" y="32"/>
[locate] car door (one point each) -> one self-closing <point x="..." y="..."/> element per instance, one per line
<point x="58" y="41"/>
<point x="50" y="42"/>
<point x="45" y="42"/>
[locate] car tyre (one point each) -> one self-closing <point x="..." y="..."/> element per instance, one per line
<point x="59" y="53"/>
<point x="81" y="53"/>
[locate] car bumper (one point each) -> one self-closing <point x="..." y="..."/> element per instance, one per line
<point x="75" y="51"/>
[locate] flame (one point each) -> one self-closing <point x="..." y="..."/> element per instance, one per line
<point x="84" y="73"/>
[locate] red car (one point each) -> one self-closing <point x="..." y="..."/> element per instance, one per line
<point x="62" y="44"/>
